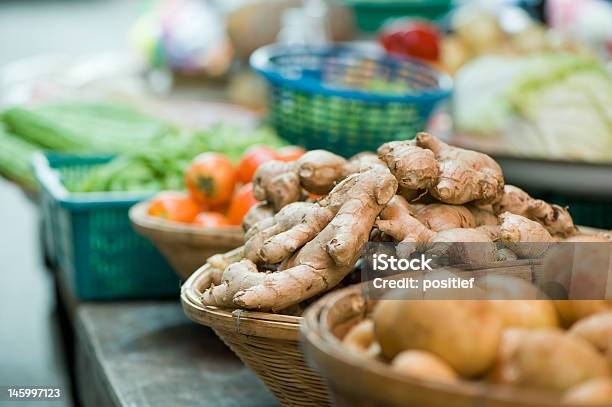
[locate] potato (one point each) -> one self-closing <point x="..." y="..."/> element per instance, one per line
<point x="509" y="288"/>
<point x="571" y="311"/>
<point x="596" y="329"/>
<point x="361" y="339"/>
<point x="546" y="359"/>
<point x="593" y="392"/>
<point x="465" y="334"/>
<point x="515" y="301"/>
<point x="507" y="346"/>
<point x="423" y="365"/>
<point x="530" y="314"/>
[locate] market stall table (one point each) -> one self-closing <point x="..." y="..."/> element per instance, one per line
<point x="150" y="354"/>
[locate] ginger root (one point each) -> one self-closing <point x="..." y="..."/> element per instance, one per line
<point x="256" y="214"/>
<point x="280" y="183"/>
<point x="438" y="217"/>
<point x="414" y="167"/>
<point x="555" y="219"/>
<point x="464" y="175"/>
<point x="490" y="230"/>
<point x="526" y="238"/>
<point x="483" y="216"/>
<point x="318" y="171"/>
<point x="277" y="238"/>
<point x="450" y="174"/>
<point x="397" y="221"/>
<point x="322" y="262"/>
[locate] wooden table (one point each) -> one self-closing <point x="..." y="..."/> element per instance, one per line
<point x="150" y="354"/>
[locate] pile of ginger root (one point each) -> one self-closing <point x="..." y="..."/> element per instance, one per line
<point x="561" y="349"/>
<point x="318" y="212"/>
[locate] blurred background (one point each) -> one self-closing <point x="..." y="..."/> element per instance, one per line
<point x="115" y="97"/>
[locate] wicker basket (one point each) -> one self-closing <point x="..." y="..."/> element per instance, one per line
<point x="267" y="343"/>
<point x="186" y="247"/>
<point x="354" y="380"/>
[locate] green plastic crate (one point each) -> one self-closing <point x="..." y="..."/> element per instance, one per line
<point x="371" y="14"/>
<point x="88" y="236"/>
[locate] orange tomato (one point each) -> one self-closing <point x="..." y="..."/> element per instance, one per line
<point x="211" y="179"/>
<point x="290" y="153"/>
<point x="174" y="206"/>
<point x="241" y="203"/>
<point x="252" y="159"/>
<point x="210" y="220"/>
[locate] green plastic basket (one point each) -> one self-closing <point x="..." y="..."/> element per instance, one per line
<point x="347" y="98"/>
<point x="88" y="236"/>
<point x="341" y="125"/>
<point x="371" y="14"/>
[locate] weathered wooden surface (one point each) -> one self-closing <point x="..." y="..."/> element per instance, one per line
<point x="150" y="354"/>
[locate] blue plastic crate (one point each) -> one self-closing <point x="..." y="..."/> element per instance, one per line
<point x="88" y="236"/>
<point x="347" y="98"/>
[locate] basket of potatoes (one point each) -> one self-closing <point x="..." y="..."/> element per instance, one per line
<point x="316" y="215"/>
<point x="432" y="353"/>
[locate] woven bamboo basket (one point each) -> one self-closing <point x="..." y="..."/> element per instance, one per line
<point x="186" y="247"/>
<point x="267" y="343"/>
<point x="357" y="381"/>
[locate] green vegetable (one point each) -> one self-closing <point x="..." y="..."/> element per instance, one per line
<point x="544" y="105"/>
<point x="15" y="158"/>
<point x="85" y="127"/>
<point x="151" y="154"/>
<point x="162" y="166"/>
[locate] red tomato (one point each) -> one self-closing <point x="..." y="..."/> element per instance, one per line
<point x="290" y="153"/>
<point x="418" y="39"/>
<point x="211" y="220"/>
<point x="241" y="203"/>
<point x="174" y="206"/>
<point x="253" y="158"/>
<point x="211" y="179"/>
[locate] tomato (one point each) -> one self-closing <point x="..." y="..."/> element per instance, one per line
<point x="211" y="220"/>
<point x="290" y="153"/>
<point x="414" y="38"/>
<point x="253" y="158"/>
<point x="241" y="203"/>
<point x="175" y="207"/>
<point x="211" y="179"/>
